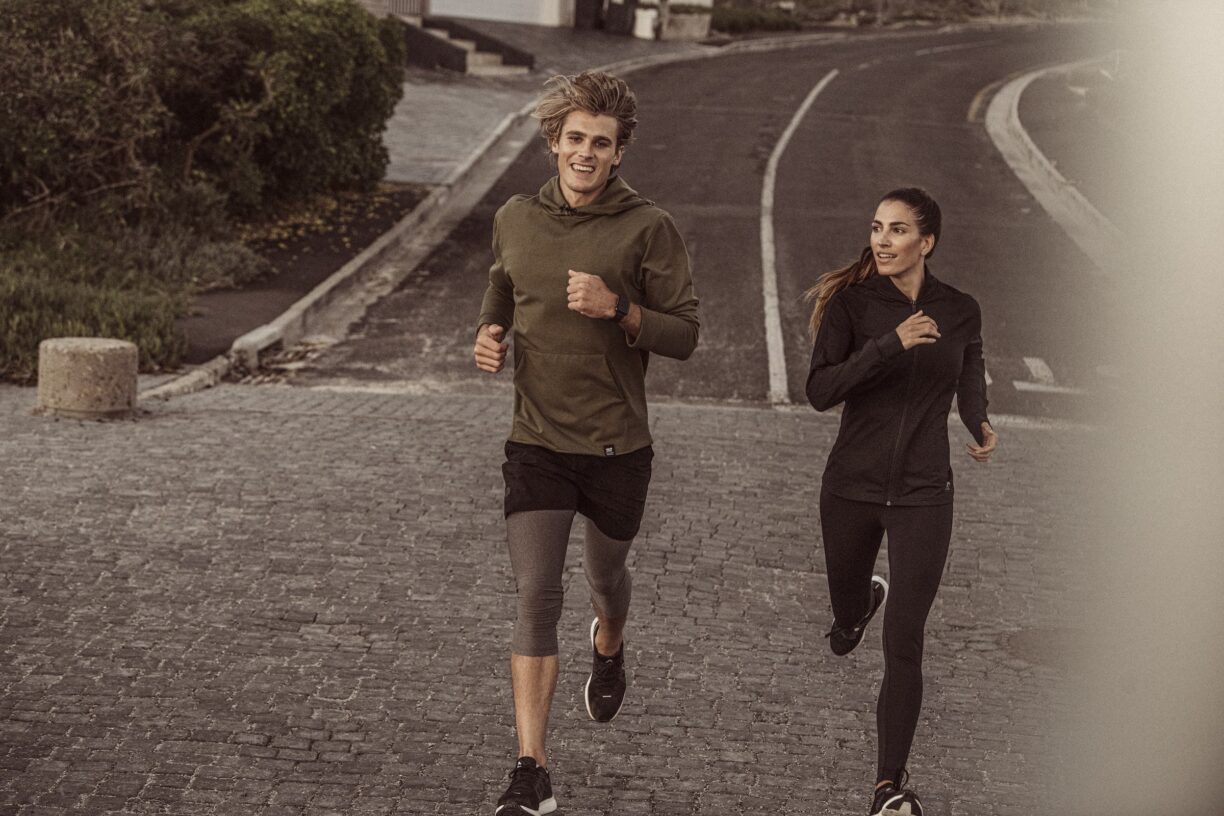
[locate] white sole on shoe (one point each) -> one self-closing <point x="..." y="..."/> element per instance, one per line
<point x="586" y="690"/>
<point x="547" y="806"/>
<point x="902" y="809"/>
<point x="880" y="578"/>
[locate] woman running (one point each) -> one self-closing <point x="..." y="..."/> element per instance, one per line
<point x="894" y="344"/>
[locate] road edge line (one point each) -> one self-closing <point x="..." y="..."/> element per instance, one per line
<point x="779" y="390"/>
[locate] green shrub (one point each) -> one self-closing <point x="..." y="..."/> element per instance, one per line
<point x="132" y="130"/>
<point x="37" y="306"/>
<point x="740" y="20"/>
<point x="277" y="99"/>
<point x="268" y="100"/>
<point x="80" y="115"/>
<point x="97" y="277"/>
<point x="736" y="16"/>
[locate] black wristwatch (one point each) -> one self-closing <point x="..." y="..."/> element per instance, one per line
<point x="622" y="309"/>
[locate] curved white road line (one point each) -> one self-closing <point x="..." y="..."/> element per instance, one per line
<point x="1095" y="234"/>
<point x="779" y="392"/>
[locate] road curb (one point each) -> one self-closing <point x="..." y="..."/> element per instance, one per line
<point x="1091" y="231"/>
<point x="205" y="375"/>
<point x="294" y="323"/>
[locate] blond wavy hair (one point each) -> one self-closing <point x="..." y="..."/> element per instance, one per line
<point x="594" y="92"/>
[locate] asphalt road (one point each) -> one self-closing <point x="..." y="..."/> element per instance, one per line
<point x="901" y="109"/>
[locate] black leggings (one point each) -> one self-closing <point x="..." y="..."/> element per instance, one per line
<point x="917" y="551"/>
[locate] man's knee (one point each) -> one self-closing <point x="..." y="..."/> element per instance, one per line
<point x="535" y="629"/>
<point x="609" y="582"/>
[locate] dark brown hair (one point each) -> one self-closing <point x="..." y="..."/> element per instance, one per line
<point x="927" y="216"/>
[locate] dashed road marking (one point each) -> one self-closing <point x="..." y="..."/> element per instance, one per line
<point x="1043" y="388"/>
<point x="1043" y="380"/>
<point x="1040" y="370"/>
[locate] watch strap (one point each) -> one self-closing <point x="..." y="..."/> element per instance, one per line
<point x="622" y="308"/>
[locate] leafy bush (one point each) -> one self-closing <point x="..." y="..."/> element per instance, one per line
<point x="130" y="132"/>
<point x="96" y="276"/>
<point x="277" y="99"/>
<point x="739" y="20"/>
<point x="80" y="115"/>
<point x="738" y="16"/>
<point x="267" y="100"/>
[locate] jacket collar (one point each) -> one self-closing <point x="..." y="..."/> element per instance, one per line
<point x="883" y="286"/>
<point x="616" y="197"/>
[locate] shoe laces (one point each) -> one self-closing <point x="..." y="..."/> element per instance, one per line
<point x="523" y="779"/>
<point x="606" y="668"/>
<point x="895" y="786"/>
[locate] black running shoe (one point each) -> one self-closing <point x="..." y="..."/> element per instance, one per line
<point x="605" y="688"/>
<point x="842" y="640"/>
<point x="530" y="791"/>
<point x="896" y="799"/>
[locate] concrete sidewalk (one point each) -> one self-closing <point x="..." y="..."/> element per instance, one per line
<point x="270" y="600"/>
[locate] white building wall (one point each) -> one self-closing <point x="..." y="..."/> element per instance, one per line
<point x="537" y="12"/>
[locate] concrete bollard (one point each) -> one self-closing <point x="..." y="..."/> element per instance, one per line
<point x="87" y="377"/>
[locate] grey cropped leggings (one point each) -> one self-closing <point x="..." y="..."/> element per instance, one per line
<point x="538" y="540"/>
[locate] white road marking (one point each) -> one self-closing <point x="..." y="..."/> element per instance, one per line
<point x="923" y="52"/>
<point x="1045" y="388"/>
<point x="1043" y="379"/>
<point x="1095" y="234"/>
<point x="1040" y="370"/>
<point x="779" y="392"/>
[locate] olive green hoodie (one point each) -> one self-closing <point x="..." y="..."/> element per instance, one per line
<point x="579" y="383"/>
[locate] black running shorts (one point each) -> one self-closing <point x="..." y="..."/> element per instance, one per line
<point x="608" y="490"/>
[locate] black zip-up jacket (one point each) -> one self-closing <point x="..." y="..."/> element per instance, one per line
<point x="892" y="447"/>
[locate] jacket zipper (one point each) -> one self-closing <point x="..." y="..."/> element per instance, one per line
<point x="892" y="463"/>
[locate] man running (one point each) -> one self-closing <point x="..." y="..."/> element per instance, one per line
<point x="588" y="278"/>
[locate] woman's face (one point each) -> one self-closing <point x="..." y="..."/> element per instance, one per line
<point x="895" y="241"/>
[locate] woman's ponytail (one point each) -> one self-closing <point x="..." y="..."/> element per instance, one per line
<point x="830" y="283"/>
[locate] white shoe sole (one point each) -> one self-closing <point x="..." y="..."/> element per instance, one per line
<point x="586" y="690"/>
<point x="880" y="579"/>
<point x="547" y="806"/>
<point x="902" y="809"/>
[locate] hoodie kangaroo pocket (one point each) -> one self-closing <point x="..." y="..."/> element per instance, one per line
<point x="571" y="390"/>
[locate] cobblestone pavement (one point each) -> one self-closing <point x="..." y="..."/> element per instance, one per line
<point x="273" y="600"/>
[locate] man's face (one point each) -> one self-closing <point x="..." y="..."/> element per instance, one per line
<point x="586" y="155"/>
